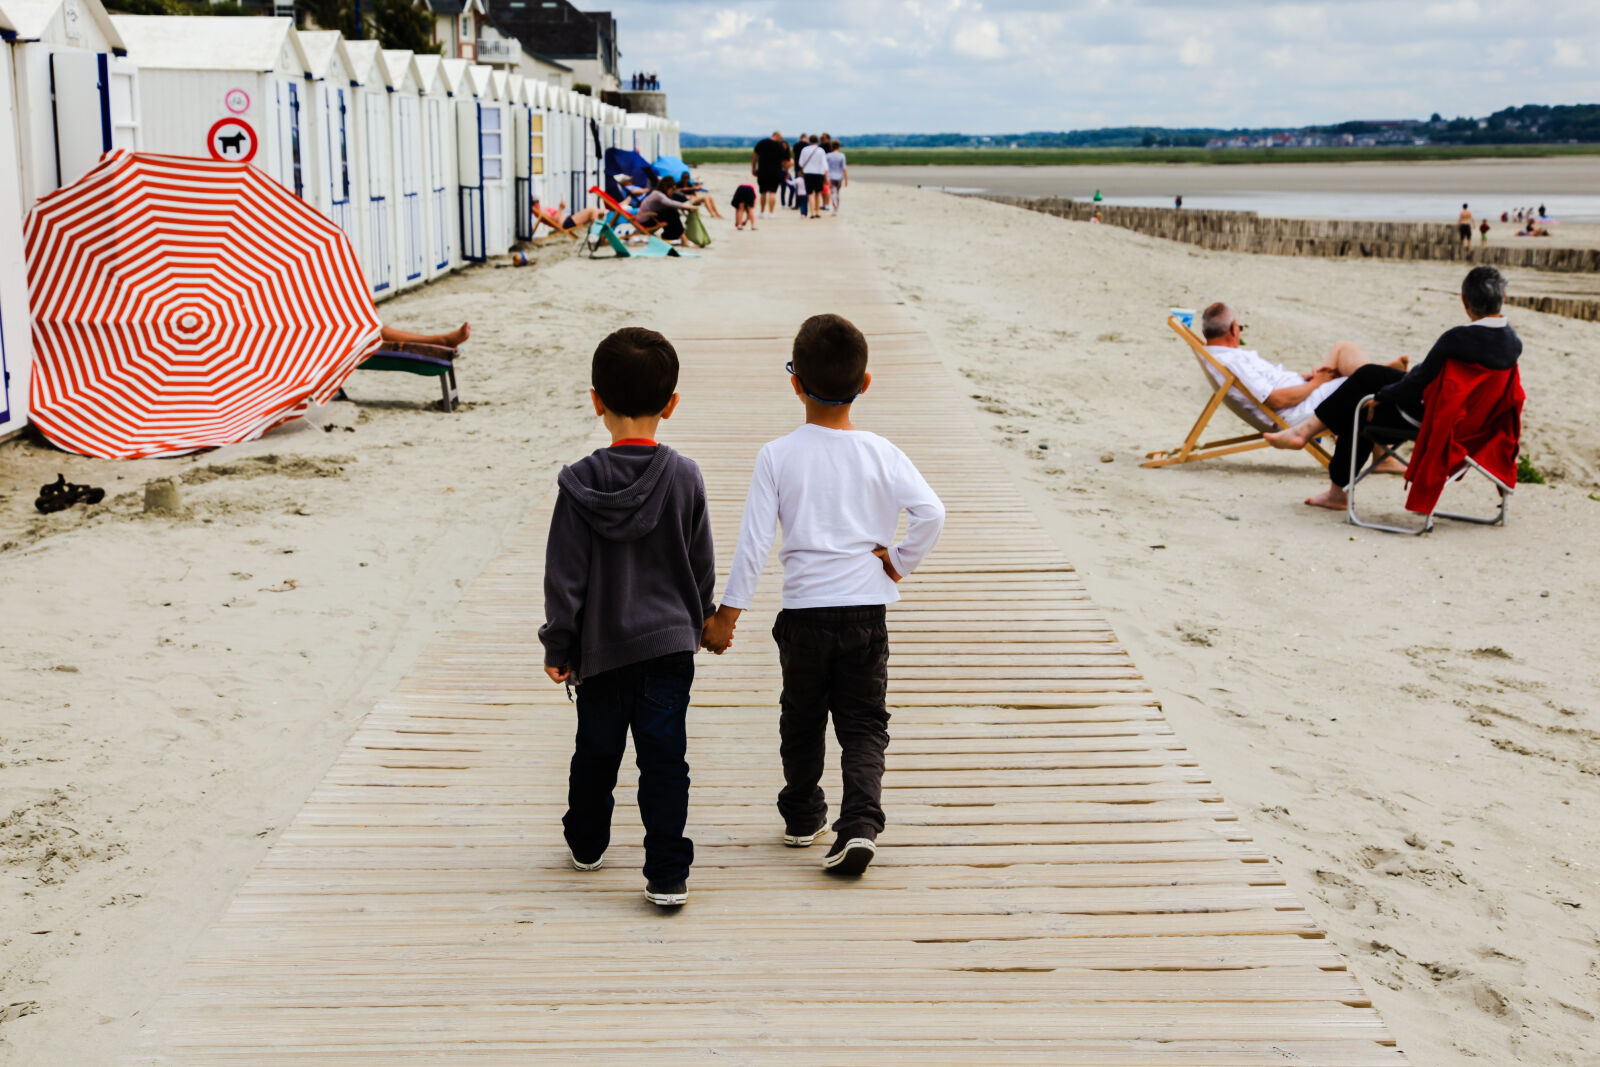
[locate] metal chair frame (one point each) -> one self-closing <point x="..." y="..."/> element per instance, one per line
<point x="1382" y="450"/>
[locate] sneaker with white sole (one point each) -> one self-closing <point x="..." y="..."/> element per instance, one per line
<point x="579" y="865"/>
<point x="663" y="895"/>
<point x="805" y="840"/>
<point x="850" y="856"/>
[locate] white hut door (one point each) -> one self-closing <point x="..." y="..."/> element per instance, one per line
<point x="83" y="110"/>
<point x="437" y="190"/>
<point x="469" y="155"/>
<point x="335" y="123"/>
<point x="290" y="150"/>
<point x="409" y="164"/>
<point x="379" y="160"/>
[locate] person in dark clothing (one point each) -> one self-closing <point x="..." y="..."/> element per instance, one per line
<point x="660" y="207"/>
<point x="1487" y="340"/>
<point x="768" y="160"/>
<point x="629" y="572"/>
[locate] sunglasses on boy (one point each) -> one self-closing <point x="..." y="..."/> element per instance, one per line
<point x="789" y="366"/>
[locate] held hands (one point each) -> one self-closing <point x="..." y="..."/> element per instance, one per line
<point x="559" y="675"/>
<point x="1322" y="374"/>
<point x="888" y="568"/>
<point x="716" y="633"/>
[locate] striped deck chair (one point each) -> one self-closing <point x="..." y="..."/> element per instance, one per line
<point x="1228" y="390"/>
<point x="426" y="361"/>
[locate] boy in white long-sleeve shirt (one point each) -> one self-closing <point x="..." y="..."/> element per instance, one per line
<point x="838" y="493"/>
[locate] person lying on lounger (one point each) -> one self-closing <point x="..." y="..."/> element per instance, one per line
<point x="454" y="339"/>
<point x="559" y="220"/>
<point x="1293" y="396"/>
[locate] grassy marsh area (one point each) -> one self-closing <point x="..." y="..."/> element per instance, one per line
<point x="1043" y="157"/>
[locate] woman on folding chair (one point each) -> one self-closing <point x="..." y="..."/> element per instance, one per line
<point x="1487" y="340"/>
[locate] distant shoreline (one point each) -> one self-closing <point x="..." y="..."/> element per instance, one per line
<point x="1058" y="157"/>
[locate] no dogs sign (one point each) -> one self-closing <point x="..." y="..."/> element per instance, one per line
<point x="232" y="141"/>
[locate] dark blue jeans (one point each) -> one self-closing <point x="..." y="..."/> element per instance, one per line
<point x="652" y="699"/>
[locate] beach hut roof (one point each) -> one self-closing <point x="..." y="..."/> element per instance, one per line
<point x="323" y="52"/>
<point x="210" y="42"/>
<point x="6" y="27"/>
<point x="363" y="58"/>
<point x="397" y="67"/>
<point x="455" y="73"/>
<point x="33" y="20"/>
<point x="430" y="71"/>
<point x="500" y="85"/>
<point x="480" y="78"/>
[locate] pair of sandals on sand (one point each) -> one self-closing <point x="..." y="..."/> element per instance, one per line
<point x="62" y="494"/>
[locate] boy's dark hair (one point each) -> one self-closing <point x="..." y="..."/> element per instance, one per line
<point x="635" y="371"/>
<point x="830" y="357"/>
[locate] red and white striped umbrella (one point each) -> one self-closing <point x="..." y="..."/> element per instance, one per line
<point x="181" y="304"/>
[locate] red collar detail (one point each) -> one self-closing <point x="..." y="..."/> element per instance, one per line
<point x="645" y="441"/>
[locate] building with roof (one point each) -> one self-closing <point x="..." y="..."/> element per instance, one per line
<point x="584" y="41"/>
<point x="504" y="52"/>
<point x="456" y="26"/>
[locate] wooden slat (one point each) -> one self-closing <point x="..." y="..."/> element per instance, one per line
<point x="1059" y="882"/>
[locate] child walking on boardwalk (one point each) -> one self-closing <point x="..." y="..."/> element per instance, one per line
<point x="629" y="571"/>
<point x="838" y="493"/>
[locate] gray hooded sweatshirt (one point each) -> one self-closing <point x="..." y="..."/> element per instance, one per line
<point x="629" y="567"/>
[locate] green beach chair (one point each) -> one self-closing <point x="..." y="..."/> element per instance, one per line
<point x="426" y="361"/>
<point x="654" y="247"/>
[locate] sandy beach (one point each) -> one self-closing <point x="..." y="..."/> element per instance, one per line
<point x="1409" y="727"/>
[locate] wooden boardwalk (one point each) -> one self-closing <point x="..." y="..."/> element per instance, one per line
<point x="1059" y="882"/>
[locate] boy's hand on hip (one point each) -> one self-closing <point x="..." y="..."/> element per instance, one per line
<point x="559" y="675"/>
<point x="888" y="568"/>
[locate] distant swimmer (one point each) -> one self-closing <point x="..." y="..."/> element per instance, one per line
<point x="1177" y="202"/>
<point x="1464" y="226"/>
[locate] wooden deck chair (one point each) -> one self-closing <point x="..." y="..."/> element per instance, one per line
<point x="1253" y="412"/>
<point x="427" y="361"/>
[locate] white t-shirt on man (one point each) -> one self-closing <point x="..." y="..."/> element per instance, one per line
<point x="813" y="160"/>
<point x="1262" y="378"/>
<point x="838" y="495"/>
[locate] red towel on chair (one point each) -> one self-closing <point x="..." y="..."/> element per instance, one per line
<point x="1468" y="411"/>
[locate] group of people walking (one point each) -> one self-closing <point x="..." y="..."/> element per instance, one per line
<point x="809" y="176"/>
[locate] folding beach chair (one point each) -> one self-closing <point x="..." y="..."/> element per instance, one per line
<point x="654" y="247"/>
<point x="1252" y="411"/>
<point x="616" y="215"/>
<point x="1471" y="421"/>
<point x="427" y="361"/>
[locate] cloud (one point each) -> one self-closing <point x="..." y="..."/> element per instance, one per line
<point x="981" y="40"/>
<point x="999" y="66"/>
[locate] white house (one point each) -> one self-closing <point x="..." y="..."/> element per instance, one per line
<point x="405" y="117"/>
<point x="457" y="26"/>
<point x="75" y="94"/>
<point x="482" y="133"/>
<point x="230" y="88"/>
<point x="16" y="349"/>
<point x="331" y="176"/>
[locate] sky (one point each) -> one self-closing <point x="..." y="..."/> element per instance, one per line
<point x="1006" y="66"/>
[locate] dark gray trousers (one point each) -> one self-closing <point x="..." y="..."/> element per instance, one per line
<point x="834" y="660"/>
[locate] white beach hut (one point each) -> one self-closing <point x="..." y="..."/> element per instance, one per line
<point x="482" y="133"/>
<point x="230" y="88"/>
<point x="374" y="157"/>
<point x="441" y="210"/>
<point x="534" y="92"/>
<point x="330" y="182"/>
<point x="522" y="157"/>
<point x="75" y="93"/>
<point x="405" y="117"/>
<point x="15" y="340"/>
<point x="504" y="92"/>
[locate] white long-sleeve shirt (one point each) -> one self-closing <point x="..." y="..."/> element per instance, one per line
<point x="838" y="495"/>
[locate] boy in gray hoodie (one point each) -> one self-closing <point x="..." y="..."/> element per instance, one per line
<point x="629" y="571"/>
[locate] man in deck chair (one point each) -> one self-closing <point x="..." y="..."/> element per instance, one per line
<point x="1293" y="396"/>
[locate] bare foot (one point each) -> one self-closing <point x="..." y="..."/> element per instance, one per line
<point x="1284" y="439"/>
<point x="1402" y="363"/>
<point x="1390" y="465"/>
<point x="1333" y="498"/>
<point x="457" y="337"/>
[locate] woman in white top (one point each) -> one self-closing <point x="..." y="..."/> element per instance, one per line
<point x="838" y="177"/>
